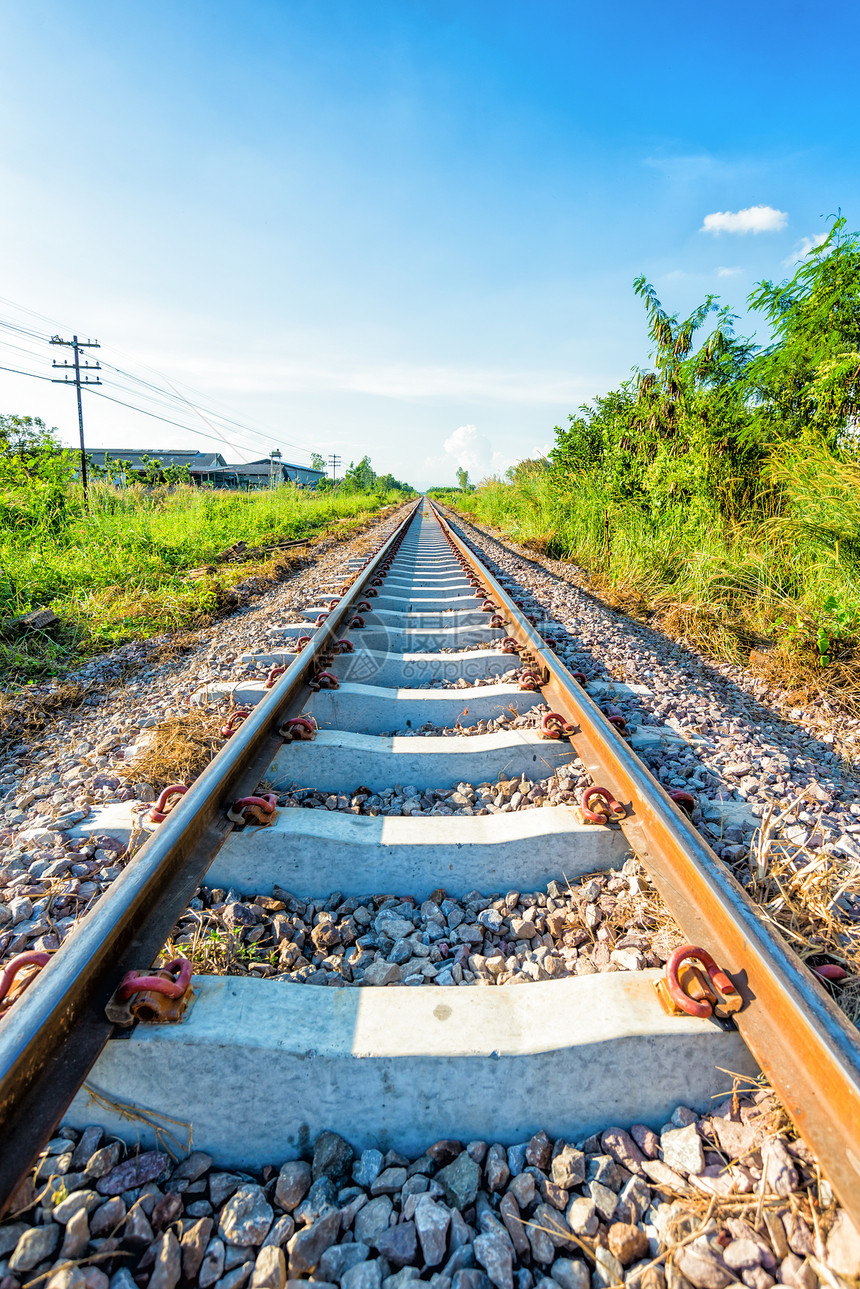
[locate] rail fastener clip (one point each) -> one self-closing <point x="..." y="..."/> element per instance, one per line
<point x="228" y="729"/>
<point x="606" y="810"/>
<point x="20" y="972"/>
<point x="166" y="802"/>
<point x="256" y="810"/>
<point x="686" y="989"/>
<point x="159" y="997"/>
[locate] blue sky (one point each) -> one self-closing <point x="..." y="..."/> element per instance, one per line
<point x="399" y="227"/>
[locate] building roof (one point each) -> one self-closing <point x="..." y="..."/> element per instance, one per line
<point x="264" y="467"/>
<point x="203" y="461"/>
<point x="199" y="462"/>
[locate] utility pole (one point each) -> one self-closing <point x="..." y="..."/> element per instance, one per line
<point x="77" y="366"/>
<point x="333" y="463"/>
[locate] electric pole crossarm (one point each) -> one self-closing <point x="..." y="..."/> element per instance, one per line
<point x="77" y="366"/>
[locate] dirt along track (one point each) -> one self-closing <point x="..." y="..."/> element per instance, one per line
<point x="428" y="836"/>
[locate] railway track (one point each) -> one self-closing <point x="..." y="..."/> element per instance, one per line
<point x="260" y="1068"/>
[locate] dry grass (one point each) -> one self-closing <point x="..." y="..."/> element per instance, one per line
<point x="801" y="892"/>
<point x="24" y="715"/>
<point x="179" y="750"/>
<point x="635" y="910"/>
<point x="806" y="680"/>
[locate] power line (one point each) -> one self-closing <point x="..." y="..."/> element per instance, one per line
<point x="171" y="396"/>
<point x="142" y="410"/>
<point x="167" y="421"/>
<point x="33" y="374"/>
<point x="334" y="462"/>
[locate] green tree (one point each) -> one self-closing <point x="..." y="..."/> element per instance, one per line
<point x="463" y="479"/>
<point x="27" y="438"/>
<point x="361" y="477"/>
<point x="317" y="461"/>
<point x="807" y="381"/>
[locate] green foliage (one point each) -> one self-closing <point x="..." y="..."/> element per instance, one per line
<point x="118" y="569"/>
<point x="317" y="461"/>
<point x="723" y="478"/>
<point x="363" y="478"/>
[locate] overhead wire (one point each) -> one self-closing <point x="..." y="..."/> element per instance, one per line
<point x="212" y="436"/>
<point x="167" y="397"/>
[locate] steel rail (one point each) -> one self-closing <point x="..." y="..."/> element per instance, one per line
<point x="802" y="1041"/>
<point x="52" y="1036"/>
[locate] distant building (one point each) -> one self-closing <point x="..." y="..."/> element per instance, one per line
<point x="208" y="468"/>
<point x="258" y="474"/>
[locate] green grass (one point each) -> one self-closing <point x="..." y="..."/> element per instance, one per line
<point x="119" y="570"/>
<point x="785" y="585"/>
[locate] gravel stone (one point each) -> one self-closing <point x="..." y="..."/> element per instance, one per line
<point x="398" y="1244"/>
<point x="246" y="1217"/>
<point x="570" y="1273"/>
<point x="332" y="1157"/>
<point x="270" y="1269"/>
<point x="338" y="1259"/>
<point x="372" y="1220"/>
<point x="431" y="1223"/>
<point x="306" y="1247"/>
<point x="294" y="1182"/>
<point x="460" y="1181"/>
<point x="168" y="1263"/>
<point x="568" y="1168"/>
<point x="33" y="1246"/>
<point x="682" y="1149"/>
<point x="365" y="1275"/>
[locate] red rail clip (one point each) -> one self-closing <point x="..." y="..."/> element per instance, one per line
<point x="234" y="721"/>
<point x="509" y="645"/>
<point x="161" y="995"/>
<point x="12" y="985"/>
<point x="298" y="727"/>
<point x="248" y="810"/>
<point x="273" y="675"/>
<point x="607" y="809"/>
<point x="685" y="800"/>
<point x="324" y="680"/>
<point x="165" y="804"/>
<point x="553" y="725"/>
<point x="686" y="989"/>
<point x="357" y="621"/>
<point x="529" y="680"/>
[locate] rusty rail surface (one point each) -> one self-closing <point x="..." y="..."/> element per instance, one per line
<point x="52" y="1036"/>
<point x="803" y="1042"/>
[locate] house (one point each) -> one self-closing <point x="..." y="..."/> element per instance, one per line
<point x="207" y="468"/>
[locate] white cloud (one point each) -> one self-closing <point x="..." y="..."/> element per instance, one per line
<point x="753" y="219"/>
<point x="724" y="272"/>
<point x="470" y="450"/>
<point x="802" y="249"/>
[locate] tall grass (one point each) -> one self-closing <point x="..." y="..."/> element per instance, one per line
<point x="788" y="576"/>
<point x="119" y="568"/>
